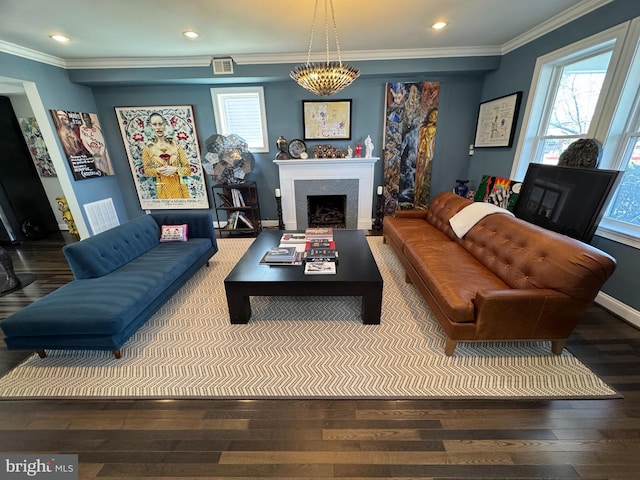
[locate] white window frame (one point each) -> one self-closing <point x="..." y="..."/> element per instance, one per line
<point x="625" y="122"/>
<point x="614" y="110"/>
<point x="219" y="95"/>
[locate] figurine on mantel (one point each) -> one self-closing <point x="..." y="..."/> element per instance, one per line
<point x="368" y="147"/>
<point x="358" y="150"/>
<point x="349" y="152"/>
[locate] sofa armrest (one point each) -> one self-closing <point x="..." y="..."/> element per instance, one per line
<point x="415" y="213"/>
<point x="526" y="313"/>
<point x="199" y="224"/>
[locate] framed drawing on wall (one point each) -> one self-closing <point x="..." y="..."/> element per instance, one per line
<point x="497" y="121"/>
<point x="326" y="119"/>
<point x="164" y="156"/>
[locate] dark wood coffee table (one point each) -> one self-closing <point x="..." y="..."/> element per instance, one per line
<point x="357" y="275"/>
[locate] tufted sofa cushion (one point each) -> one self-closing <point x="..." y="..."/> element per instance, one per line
<point x="505" y="279"/>
<point x="103" y="253"/>
<point x="524" y="256"/>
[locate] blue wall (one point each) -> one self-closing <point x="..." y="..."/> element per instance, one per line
<point x="57" y="92"/>
<point x="459" y="97"/>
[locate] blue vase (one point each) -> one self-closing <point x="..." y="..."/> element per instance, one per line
<point x="461" y="189"/>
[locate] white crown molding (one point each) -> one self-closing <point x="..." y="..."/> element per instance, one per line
<point x="577" y="11"/>
<point x="364" y="55"/>
<point x="29" y="54"/>
<point x="137" y="62"/>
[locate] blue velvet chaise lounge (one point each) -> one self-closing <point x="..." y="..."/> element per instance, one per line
<point x="121" y="278"/>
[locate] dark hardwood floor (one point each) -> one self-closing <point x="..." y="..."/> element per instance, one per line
<point x="349" y="439"/>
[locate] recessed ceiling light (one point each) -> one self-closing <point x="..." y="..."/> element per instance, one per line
<point x="59" y="38"/>
<point x="191" y="34"/>
<point x="439" y="25"/>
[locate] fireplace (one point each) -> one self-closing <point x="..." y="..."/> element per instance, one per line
<point x="348" y="177"/>
<point x="327" y="211"/>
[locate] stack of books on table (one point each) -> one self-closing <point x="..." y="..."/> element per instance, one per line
<point x="320" y="255"/>
<point x="282" y="255"/>
<point x="319" y="234"/>
<point x="295" y="238"/>
<point x="319" y="268"/>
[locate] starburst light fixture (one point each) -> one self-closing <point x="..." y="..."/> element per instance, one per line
<point x="328" y="77"/>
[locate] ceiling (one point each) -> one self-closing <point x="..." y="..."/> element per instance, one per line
<point x="272" y="31"/>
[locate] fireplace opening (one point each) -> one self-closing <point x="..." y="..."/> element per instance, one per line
<point x="327" y="211"/>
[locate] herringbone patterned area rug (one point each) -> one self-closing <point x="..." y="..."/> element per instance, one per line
<point x="301" y="348"/>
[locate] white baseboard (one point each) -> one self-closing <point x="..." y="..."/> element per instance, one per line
<point x="622" y="310"/>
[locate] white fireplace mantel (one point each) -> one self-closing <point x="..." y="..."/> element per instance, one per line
<point x="293" y="171"/>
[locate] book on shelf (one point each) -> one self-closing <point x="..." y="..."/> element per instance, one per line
<point x="226" y="201"/>
<point x="293" y="238"/>
<point x="232" y="220"/>
<point x="238" y="199"/>
<point x="243" y="218"/>
<point x="319" y="268"/>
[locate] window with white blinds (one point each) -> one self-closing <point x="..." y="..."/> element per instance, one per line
<point x="240" y="110"/>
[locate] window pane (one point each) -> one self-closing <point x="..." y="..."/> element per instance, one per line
<point x="577" y="95"/>
<point x="625" y="206"/>
<point x="553" y="147"/>
<point x="242" y="113"/>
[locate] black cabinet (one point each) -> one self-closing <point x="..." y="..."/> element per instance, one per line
<point x="237" y="209"/>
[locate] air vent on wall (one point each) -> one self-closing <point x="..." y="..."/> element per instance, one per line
<point x="222" y="66"/>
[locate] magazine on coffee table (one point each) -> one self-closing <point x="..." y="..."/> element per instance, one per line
<point x="319" y="268"/>
<point x="296" y="259"/>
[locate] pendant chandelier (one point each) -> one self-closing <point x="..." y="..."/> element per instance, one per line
<point x="324" y="78"/>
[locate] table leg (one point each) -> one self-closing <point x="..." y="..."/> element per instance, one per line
<point x="372" y="307"/>
<point x="239" y="308"/>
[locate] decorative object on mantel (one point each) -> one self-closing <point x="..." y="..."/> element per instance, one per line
<point x="327" y="151"/>
<point x="358" y="150"/>
<point x="228" y="158"/>
<point x="368" y="147"/>
<point x="296" y="148"/>
<point x="324" y="78"/>
<point x="282" y="145"/>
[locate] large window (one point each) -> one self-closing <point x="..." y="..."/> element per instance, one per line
<point x="589" y="90"/>
<point x="240" y="110"/>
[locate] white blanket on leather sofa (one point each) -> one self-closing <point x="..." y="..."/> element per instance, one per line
<point x="466" y="218"/>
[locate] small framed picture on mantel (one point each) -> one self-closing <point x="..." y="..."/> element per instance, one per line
<point x="497" y="121"/>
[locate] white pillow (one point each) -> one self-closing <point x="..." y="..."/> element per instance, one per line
<point x="174" y="233"/>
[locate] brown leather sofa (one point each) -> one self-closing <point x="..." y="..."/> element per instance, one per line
<point x="504" y="280"/>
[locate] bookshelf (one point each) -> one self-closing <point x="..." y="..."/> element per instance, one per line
<point x="237" y="209"/>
